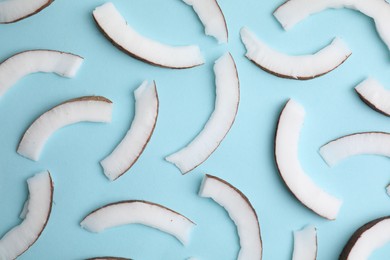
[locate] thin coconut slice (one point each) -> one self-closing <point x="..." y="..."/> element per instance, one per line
<point x="139" y="134"/>
<point x="116" y="29"/>
<point x="211" y="16"/>
<point x="388" y="189"/>
<point x="220" y="122"/>
<point x="139" y="212"/>
<point x="377" y="143"/>
<point x="301" y="67"/>
<point x="305" y="244"/>
<point x="37" y="212"/>
<point x="367" y="239"/>
<point x="287" y="160"/>
<point x="21" y="64"/>
<point x="293" y="11"/>
<point x="240" y="211"/>
<point x="15" y="10"/>
<point x="83" y="109"/>
<point x="374" y="95"/>
<point x="108" y="258"/>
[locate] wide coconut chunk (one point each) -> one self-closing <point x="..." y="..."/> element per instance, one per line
<point x="15" y="10"/>
<point x="305" y="244"/>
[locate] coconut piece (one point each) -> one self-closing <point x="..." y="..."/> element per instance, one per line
<point x="108" y="258"/>
<point x="302" y="67"/>
<point x="15" y="10"/>
<point x="139" y="134"/>
<point x="367" y="239"/>
<point x="240" y="210"/>
<point x="377" y="143"/>
<point x="388" y="189"/>
<point x="37" y="212"/>
<point x="116" y="29"/>
<point x="211" y="16"/>
<point x="21" y="64"/>
<point x="83" y="109"/>
<point x="374" y="95"/>
<point x="305" y="244"/>
<point x="139" y="212"/>
<point x="220" y="122"/>
<point x="287" y="160"/>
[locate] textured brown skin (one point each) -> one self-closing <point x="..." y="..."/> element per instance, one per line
<point x="108" y="258"/>
<point x="355" y="237"/>
<point x="368" y="103"/>
<point x="31" y="14"/>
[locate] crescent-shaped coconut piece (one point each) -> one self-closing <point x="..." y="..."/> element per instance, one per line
<point x="220" y="122"/>
<point x="83" y="109"/>
<point x="139" y="134"/>
<point x="35" y="216"/>
<point x="293" y="11"/>
<point x="367" y="239"/>
<point x="15" y="10"/>
<point x="302" y="67"/>
<point x="287" y="161"/>
<point x="240" y="211"/>
<point x="116" y="29"/>
<point x="211" y="16"/>
<point x="21" y="64"/>
<point x="377" y="143"/>
<point x="139" y="212"/>
<point x="305" y="244"/>
<point x="374" y="95"/>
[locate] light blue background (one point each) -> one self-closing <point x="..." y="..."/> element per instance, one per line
<point x="245" y="157"/>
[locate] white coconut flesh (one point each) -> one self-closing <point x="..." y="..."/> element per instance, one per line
<point x="138" y="136"/>
<point x="15" y="10"/>
<point x="84" y="109"/>
<point x="377" y="143"/>
<point x="139" y="212"/>
<point x="295" y="67"/>
<point x="294" y="11"/>
<point x="388" y="189"/>
<point x="220" y="122"/>
<point x="20" y="238"/>
<point x="305" y="244"/>
<point x="32" y="61"/>
<point x="211" y="16"/>
<point x="240" y="211"/>
<point x="290" y="169"/>
<point x="375" y="95"/>
<point x="115" y="27"/>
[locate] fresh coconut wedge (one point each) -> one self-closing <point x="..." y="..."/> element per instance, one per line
<point x="139" y="212"/>
<point x="15" y="10"/>
<point x="240" y="211"/>
<point x="293" y="11"/>
<point x="211" y="16"/>
<point x="301" y="67"/>
<point x="116" y="29"/>
<point x="83" y="109"/>
<point x="109" y="258"/>
<point x="35" y="217"/>
<point x="388" y="189"/>
<point x="374" y="95"/>
<point x="305" y="244"/>
<point x="377" y="143"/>
<point x="286" y="156"/>
<point x="32" y="61"/>
<point x="139" y="134"/>
<point x="367" y="239"/>
<point x="220" y="122"/>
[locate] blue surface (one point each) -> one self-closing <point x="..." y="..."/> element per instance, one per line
<point x="245" y="157"/>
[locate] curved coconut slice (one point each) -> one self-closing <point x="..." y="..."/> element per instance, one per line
<point x="15" y="10"/>
<point x="367" y="239"/>
<point x="240" y="211"/>
<point x="139" y="134"/>
<point x="211" y="16"/>
<point x="290" y="169"/>
<point x="374" y="95"/>
<point x="301" y="67"/>
<point x="220" y="122"/>
<point x="377" y="143"/>
<point x="139" y="212"/>
<point x="305" y="244"/>
<point x="293" y="11"/>
<point x="109" y="258"/>
<point x="32" y="61"/>
<point x="116" y="29"/>
<point x="37" y="212"/>
<point x="84" y="109"/>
